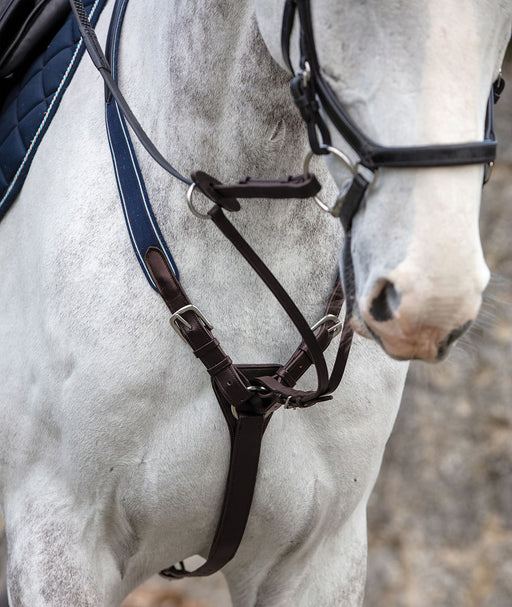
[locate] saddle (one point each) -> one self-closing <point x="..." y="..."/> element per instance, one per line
<point x="26" y="27"/>
<point x="39" y="58"/>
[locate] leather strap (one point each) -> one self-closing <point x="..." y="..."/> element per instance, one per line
<point x="247" y="395"/>
<point x="102" y="65"/>
<point x="371" y="154"/>
<point x="197" y="334"/>
<point x="290" y="373"/>
<point x="300" y="397"/>
<point x="243" y="469"/>
<point x="224" y="194"/>
<point x="352" y="201"/>
<point x="247" y="413"/>
<point x="286" y="32"/>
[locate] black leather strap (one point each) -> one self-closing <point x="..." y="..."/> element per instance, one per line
<point x="352" y="201"/>
<point x="373" y="155"/>
<point x="100" y="61"/>
<point x="286" y="31"/>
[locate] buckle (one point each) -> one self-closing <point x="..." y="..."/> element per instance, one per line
<point x="335" y="330"/>
<point x="178" y="318"/>
<point x="305" y="74"/>
<point x="287" y="404"/>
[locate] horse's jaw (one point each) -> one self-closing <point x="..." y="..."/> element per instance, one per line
<point x="413" y="268"/>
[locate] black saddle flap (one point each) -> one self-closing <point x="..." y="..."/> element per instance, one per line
<point x="26" y="27"/>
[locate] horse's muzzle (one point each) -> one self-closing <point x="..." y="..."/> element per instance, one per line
<point x="408" y="327"/>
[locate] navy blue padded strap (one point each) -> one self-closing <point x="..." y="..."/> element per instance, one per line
<point x="140" y="220"/>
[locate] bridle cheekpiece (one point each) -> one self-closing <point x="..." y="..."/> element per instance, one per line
<point x="315" y="99"/>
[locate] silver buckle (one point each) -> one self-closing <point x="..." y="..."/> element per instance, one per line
<point x="305" y="74"/>
<point x="287" y="405"/>
<point x="335" y="330"/>
<point x="178" y="318"/>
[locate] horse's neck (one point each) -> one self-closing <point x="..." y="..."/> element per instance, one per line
<point x="213" y="99"/>
<point x="209" y="86"/>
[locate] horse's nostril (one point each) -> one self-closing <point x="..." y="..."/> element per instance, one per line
<point x="444" y="346"/>
<point x="386" y="302"/>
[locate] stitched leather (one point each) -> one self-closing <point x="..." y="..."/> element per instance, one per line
<point x="31" y="103"/>
<point x="226" y="194"/>
<point x="371" y="154"/>
<point x="247" y="424"/>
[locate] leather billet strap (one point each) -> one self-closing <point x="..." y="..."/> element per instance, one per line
<point x="310" y="84"/>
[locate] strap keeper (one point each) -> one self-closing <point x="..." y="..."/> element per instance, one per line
<point x="220" y="366"/>
<point x="213" y="344"/>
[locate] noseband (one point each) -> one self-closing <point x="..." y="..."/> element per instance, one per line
<point x="311" y="93"/>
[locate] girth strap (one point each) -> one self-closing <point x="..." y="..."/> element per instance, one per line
<point x="243" y="469"/>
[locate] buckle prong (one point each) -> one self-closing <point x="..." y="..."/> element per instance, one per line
<point x="335" y="330"/>
<point x="177" y="319"/>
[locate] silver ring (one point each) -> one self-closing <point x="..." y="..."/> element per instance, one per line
<point x="194" y="211"/>
<point x="334" y="210"/>
<point x="257" y="389"/>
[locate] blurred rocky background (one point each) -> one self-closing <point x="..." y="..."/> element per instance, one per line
<point x="440" y="518"/>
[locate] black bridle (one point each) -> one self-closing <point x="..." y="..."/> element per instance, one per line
<point x="312" y="93"/>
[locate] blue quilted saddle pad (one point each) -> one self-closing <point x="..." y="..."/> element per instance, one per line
<point x="32" y="102"/>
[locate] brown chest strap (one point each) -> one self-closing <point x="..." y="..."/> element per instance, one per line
<point x="249" y="394"/>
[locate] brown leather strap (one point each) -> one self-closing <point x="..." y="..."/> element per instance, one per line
<point x="225" y="194"/>
<point x="247" y="412"/>
<point x="197" y="334"/>
<point x="299" y="363"/>
<point x="243" y="469"/>
<point x="300" y="397"/>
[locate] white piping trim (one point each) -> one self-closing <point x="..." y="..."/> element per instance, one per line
<point x="47" y="114"/>
<point x="155" y="229"/>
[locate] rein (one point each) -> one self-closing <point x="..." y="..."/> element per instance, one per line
<point x="248" y="395"/>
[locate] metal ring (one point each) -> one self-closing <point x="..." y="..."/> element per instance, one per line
<point x="194" y="211"/>
<point x="334" y="210"/>
<point x="258" y="389"/>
